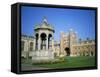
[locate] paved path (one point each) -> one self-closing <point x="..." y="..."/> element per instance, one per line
<point x="31" y="67"/>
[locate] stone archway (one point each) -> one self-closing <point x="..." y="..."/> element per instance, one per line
<point x="67" y="51"/>
<point x="43" y="41"/>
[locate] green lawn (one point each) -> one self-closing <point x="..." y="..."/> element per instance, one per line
<point x="72" y="62"/>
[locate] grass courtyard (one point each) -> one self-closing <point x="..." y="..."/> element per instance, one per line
<point x="70" y="62"/>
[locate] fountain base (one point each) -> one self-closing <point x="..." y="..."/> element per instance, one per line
<point x="42" y="55"/>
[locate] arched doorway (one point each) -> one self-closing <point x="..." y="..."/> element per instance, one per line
<point x="43" y="41"/>
<point x="67" y="51"/>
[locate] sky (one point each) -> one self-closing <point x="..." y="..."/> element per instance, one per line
<point x="81" y="21"/>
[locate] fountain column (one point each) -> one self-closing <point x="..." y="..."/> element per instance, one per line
<point x="39" y="41"/>
<point x="53" y="45"/>
<point x="47" y="42"/>
<point x="35" y="43"/>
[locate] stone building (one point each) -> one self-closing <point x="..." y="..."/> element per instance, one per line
<point x="27" y="45"/>
<point x="67" y="41"/>
<point x="71" y="46"/>
<point x="84" y="48"/>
